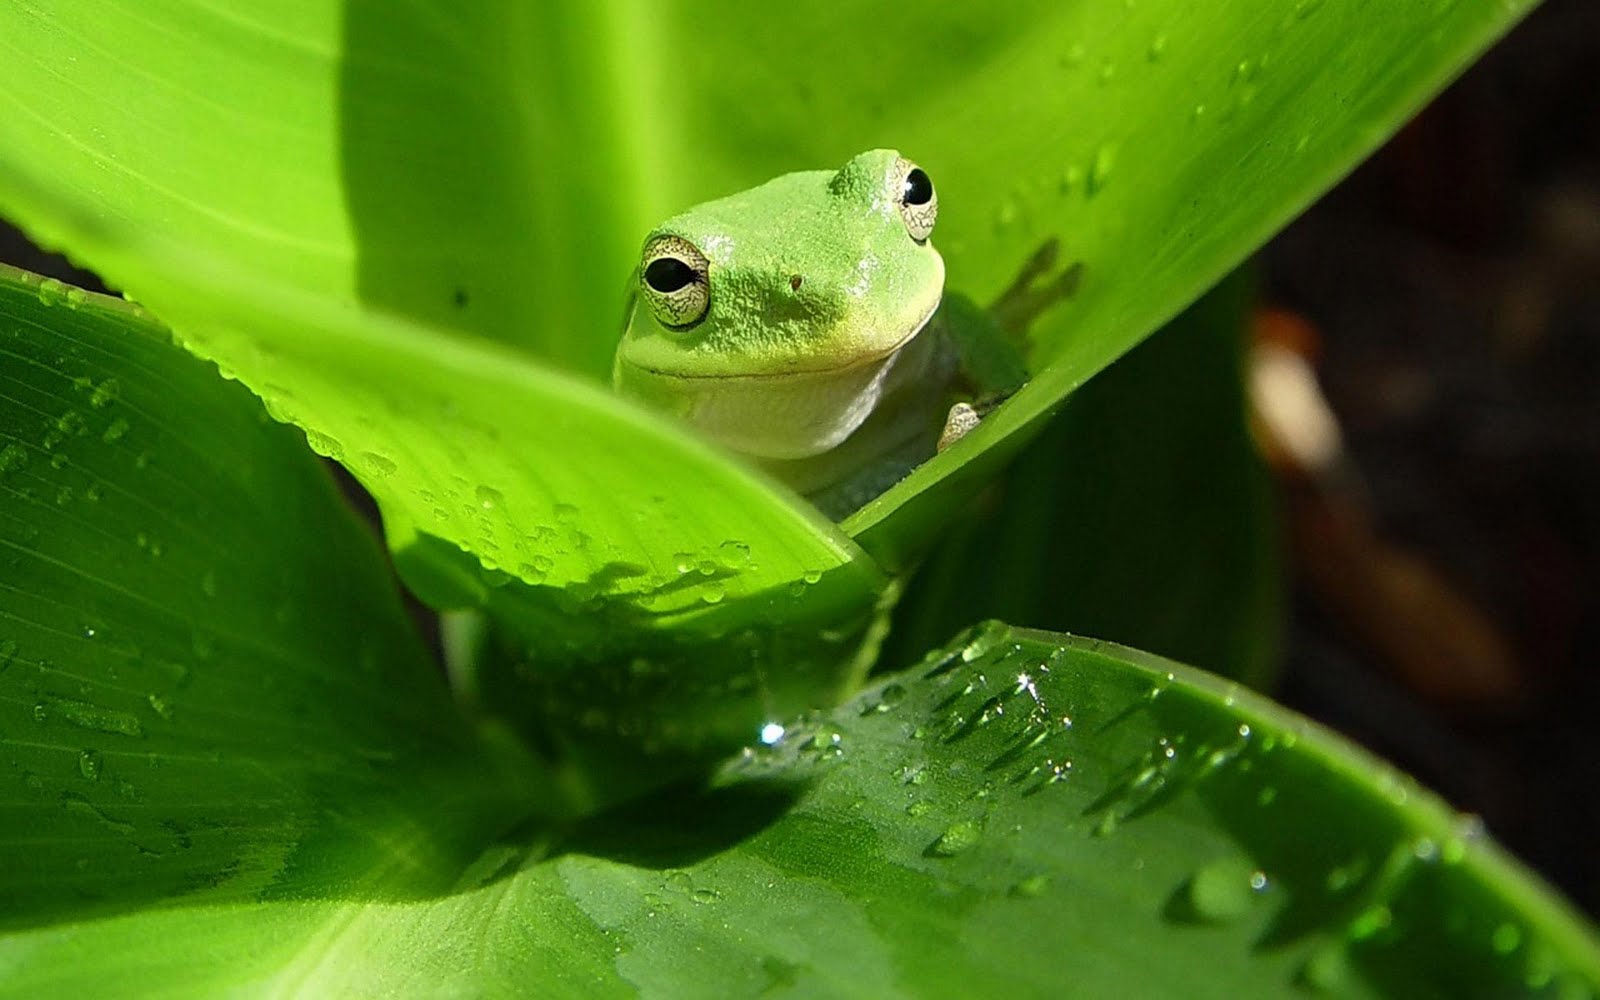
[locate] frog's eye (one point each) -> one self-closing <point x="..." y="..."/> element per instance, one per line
<point x="672" y="276"/>
<point x="919" y="205"/>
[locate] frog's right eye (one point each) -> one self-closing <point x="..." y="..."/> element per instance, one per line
<point x="672" y="277"/>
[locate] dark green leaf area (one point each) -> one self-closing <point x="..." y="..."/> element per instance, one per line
<point x="1143" y="514"/>
<point x="619" y="699"/>
<point x="208" y="688"/>
<point x="1027" y="810"/>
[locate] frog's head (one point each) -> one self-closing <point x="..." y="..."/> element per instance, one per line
<point x="809" y="274"/>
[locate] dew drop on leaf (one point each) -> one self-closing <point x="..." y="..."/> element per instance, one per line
<point x="1031" y="887"/>
<point x="1222" y="890"/>
<point x="958" y="838"/>
<point x="378" y="465"/>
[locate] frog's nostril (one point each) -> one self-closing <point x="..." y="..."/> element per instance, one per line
<point x="795" y="282"/>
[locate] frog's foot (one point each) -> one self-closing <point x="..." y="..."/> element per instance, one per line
<point x="962" y="418"/>
<point x="1039" y="284"/>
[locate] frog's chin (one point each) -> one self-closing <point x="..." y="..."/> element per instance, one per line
<point x="802" y="414"/>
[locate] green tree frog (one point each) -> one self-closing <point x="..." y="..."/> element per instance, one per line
<point x="799" y="323"/>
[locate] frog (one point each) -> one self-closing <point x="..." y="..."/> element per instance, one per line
<point x="804" y="325"/>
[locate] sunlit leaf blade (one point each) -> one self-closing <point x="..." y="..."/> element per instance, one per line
<point x="1143" y="514"/>
<point x="490" y="169"/>
<point x="541" y="476"/>
<point x="1156" y="144"/>
<point x="208" y="688"/>
<point x="399" y="155"/>
<point x="946" y="834"/>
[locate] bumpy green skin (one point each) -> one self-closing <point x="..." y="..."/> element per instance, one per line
<point x="818" y="355"/>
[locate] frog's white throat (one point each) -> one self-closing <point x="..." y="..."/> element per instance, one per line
<point x="807" y="413"/>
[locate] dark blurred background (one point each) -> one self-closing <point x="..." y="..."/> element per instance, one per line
<point x="1448" y="295"/>
<point x="1453" y="283"/>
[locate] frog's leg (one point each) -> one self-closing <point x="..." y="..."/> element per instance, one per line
<point x="990" y="342"/>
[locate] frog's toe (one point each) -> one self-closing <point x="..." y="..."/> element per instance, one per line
<point x="962" y="418"/>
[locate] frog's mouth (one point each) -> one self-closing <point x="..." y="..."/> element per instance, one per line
<point x="800" y="413"/>
<point x="800" y="371"/>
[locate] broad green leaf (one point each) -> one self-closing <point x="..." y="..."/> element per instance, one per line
<point x="1158" y="144"/>
<point x="1143" y="514"/>
<point x="208" y="688"/>
<point x="398" y="155"/>
<point x="1025" y="814"/>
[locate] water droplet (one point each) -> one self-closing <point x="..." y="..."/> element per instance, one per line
<point x="160" y="706"/>
<point x="104" y="394"/>
<point x="12" y="458"/>
<point x="565" y="512"/>
<point x="378" y="465"/>
<point x="1158" y="48"/>
<point x="772" y="732"/>
<point x="888" y="698"/>
<point x="52" y="292"/>
<point x="1370" y="922"/>
<point x="489" y="498"/>
<point x="1343" y="877"/>
<point x="1031" y="887"/>
<point x="982" y="642"/>
<point x="680" y="882"/>
<point x="1105" y="158"/>
<point x="325" y="445"/>
<point x="1507" y="938"/>
<point x="704" y="896"/>
<point x="1222" y="890"/>
<point x="1327" y="970"/>
<point x="958" y="838"/>
<point x="919" y="808"/>
<point x="89" y="716"/>
<point x="72" y="424"/>
<point x="713" y="593"/>
<point x="75" y="803"/>
<point x="89" y="764"/>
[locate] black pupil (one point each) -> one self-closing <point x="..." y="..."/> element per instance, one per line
<point x="918" y="190"/>
<point x="668" y="274"/>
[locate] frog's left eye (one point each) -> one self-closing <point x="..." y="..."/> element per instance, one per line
<point x="672" y="277"/>
<point x="919" y="204"/>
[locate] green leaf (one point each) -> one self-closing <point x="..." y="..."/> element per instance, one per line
<point x="945" y="834"/>
<point x="1142" y="514"/>
<point x="1156" y="144"/>
<point x="398" y="155"/>
<point x="208" y="688"/>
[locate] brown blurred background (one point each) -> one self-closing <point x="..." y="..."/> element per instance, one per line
<point x="1452" y="289"/>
